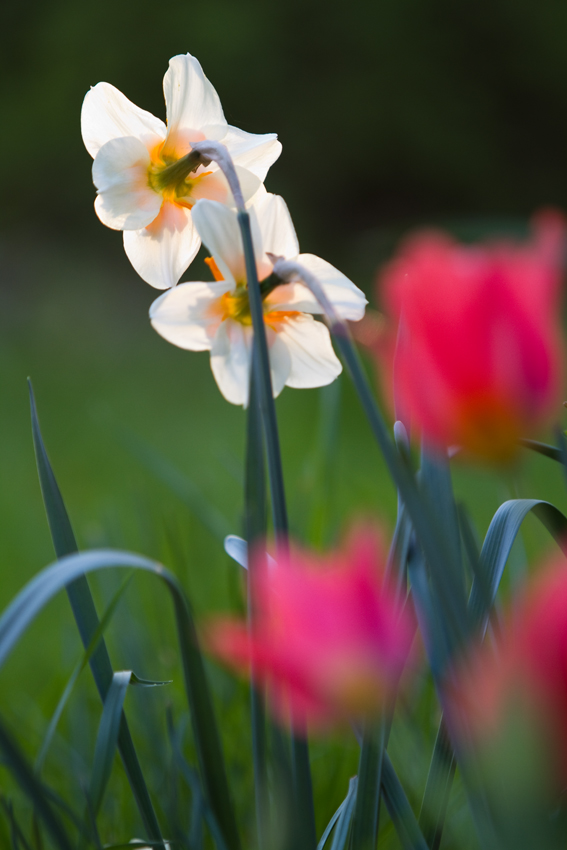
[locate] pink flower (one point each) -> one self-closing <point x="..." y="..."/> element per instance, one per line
<point x="329" y="640"/>
<point x="478" y="359"/>
<point x="522" y="684"/>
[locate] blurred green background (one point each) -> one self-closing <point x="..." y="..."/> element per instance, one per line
<point x="391" y="114"/>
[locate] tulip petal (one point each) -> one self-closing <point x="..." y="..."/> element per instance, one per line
<point x="108" y="114"/>
<point x="191" y="104"/>
<point x="163" y="250"/>
<point x="312" y="359"/>
<point x="189" y="314"/>
<point x="120" y="172"/>
<point x="230" y="361"/>
<point x="252" y="151"/>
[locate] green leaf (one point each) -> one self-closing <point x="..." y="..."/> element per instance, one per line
<point x="43" y="587"/>
<point x="334" y="819"/>
<point x="18" y="838"/>
<point x="86" y="617"/>
<point x="437" y="490"/>
<point x="344" y="821"/>
<point x="107" y="737"/>
<point x="365" y="826"/>
<point x="437" y="789"/>
<point x="40" y="759"/>
<point x="148" y="683"/>
<point x="498" y="542"/>
<point x="552" y="452"/>
<point x="399" y="809"/>
<point x="200" y="808"/>
<point x="33" y="788"/>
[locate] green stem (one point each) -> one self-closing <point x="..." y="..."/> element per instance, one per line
<point x="255" y="499"/>
<point x="307" y="837"/>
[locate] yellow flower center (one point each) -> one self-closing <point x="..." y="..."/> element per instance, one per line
<point x="235" y="305"/>
<point x="173" y="177"/>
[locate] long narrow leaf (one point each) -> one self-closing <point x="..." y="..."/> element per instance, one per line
<point x="33" y="789"/>
<point x="43" y="587"/>
<point x="345" y="818"/>
<point x="86" y="617"/>
<point x="437" y="789"/>
<point x="80" y="666"/>
<point x="107" y="737"/>
<point x="365" y="827"/>
<point x="499" y="540"/>
<point x="435" y="483"/>
<point x="400" y="810"/>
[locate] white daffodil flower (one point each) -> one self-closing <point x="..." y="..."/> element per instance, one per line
<point x="216" y="316"/>
<point x="140" y="189"/>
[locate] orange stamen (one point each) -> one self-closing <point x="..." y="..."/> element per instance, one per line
<point x="216" y="272"/>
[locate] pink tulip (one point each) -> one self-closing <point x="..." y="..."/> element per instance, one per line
<point x="524" y="678"/>
<point x="478" y="359"/>
<point x="329" y="641"/>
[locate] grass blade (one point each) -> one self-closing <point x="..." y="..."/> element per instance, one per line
<point x="365" y="827"/>
<point x="343" y="825"/>
<point x="107" y="737"/>
<point x="498" y="542"/>
<point x="40" y="759"/>
<point x="552" y="452"/>
<point x="437" y="789"/>
<point x="86" y="617"/>
<point x="437" y="489"/>
<point x="400" y="810"/>
<point x="43" y="587"/>
<point x="33" y="789"/>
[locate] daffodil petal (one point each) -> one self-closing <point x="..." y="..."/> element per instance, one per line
<point x="163" y="250"/>
<point x="214" y="186"/>
<point x="191" y="103"/>
<point x="280" y="361"/>
<point x="313" y="361"/>
<point x="108" y="114"/>
<point x="292" y="296"/>
<point x="230" y="361"/>
<point x="348" y="300"/>
<point x="252" y="151"/>
<point x="189" y="314"/>
<point x="125" y="201"/>
<point x="276" y="226"/>
<point x="217" y="226"/>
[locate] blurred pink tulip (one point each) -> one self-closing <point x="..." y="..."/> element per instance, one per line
<point x="526" y="677"/>
<point x="329" y="640"/>
<point x="478" y="356"/>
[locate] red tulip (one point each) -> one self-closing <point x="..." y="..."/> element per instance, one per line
<point x="478" y="359"/>
<point x="329" y="640"/>
<point x="524" y="678"/>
